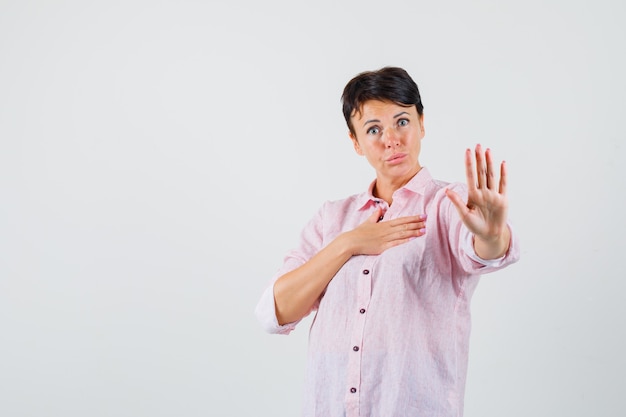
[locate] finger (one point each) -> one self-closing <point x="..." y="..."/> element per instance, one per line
<point x="469" y="170"/>
<point x="406" y="226"/>
<point x="416" y="225"/>
<point x="502" y="189"/>
<point x="407" y="219"/>
<point x="481" y="169"/>
<point x="490" y="174"/>
<point x="375" y="216"/>
<point x="457" y="201"/>
<point x="399" y="242"/>
<point x="410" y="232"/>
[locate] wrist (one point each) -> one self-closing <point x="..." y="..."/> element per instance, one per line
<point x="493" y="246"/>
<point x="343" y="246"/>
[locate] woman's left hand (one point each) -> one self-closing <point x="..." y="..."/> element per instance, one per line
<point x="485" y="213"/>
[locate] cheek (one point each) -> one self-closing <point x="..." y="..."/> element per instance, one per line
<point x="374" y="149"/>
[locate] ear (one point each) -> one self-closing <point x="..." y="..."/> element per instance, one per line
<point x="421" y="119"/>
<point x="355" y="143"/>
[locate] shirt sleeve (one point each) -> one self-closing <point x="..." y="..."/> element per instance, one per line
<point x="311" y="240"/>
<point x="468" y="248"/>
<point x="266" y="314"/>
<point x="462" y="242"/>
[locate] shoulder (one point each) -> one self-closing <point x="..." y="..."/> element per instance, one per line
<point x="437" y="189"/>
<point x="430" y="187"/>
<point x="438" y="205"/>
<point x="352" y="202"/>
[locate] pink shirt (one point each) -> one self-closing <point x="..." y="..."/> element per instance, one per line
<point x="390" y="337"/>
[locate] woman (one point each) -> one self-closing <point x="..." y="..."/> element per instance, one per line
<point x="390" y="272"/>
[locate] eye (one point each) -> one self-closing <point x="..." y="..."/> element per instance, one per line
<point x="403" y="122"/>
<point x="375" y="130"/>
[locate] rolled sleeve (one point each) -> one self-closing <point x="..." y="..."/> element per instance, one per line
<point x="310" y="243"/>
<point x="266" y="314"/>
<point x="488" y="265"/>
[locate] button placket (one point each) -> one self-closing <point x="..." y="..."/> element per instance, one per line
<point x="363" y="289"/>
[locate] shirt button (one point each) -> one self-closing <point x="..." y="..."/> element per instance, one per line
<point x="366" y="271"/>
<point x="356" y="348"/>
<point x="380" y="218"/>
<point x="362" y="311"/>
<point x="353" y="390"/>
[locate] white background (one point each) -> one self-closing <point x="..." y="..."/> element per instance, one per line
<point x="158" y="158"/>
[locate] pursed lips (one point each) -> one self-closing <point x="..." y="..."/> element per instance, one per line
<point x="396" y="157"/>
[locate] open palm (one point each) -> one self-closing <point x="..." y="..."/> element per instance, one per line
<point x="485" y="212"/>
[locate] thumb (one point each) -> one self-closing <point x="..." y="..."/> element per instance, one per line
<point x="458" y="202"/>
<point x="373" y="218"/>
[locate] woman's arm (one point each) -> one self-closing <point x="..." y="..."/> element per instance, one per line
<point x="295" y="292"/>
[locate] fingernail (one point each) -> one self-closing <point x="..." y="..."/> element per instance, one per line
<point x="423" y="231"/>
<point x="424" y="216"/>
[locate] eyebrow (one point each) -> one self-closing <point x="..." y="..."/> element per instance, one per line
<point x="378" y="121"/>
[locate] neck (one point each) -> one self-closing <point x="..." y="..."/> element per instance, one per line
<point x="385" y="187"/>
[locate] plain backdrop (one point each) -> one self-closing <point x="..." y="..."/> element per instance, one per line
<point x="158" y="158"/>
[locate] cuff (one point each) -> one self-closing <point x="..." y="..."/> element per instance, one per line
<point x="468" y="248"/>
<point x="266" y="314"/>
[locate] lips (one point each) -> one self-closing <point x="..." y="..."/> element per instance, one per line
<point x="396" y="157"/>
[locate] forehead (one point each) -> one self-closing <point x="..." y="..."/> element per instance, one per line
<point x="379" y="109"/>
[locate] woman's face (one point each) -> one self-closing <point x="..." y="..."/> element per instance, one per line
<point x="389" y="136"/>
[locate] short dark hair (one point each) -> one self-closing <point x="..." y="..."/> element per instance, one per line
<point x="386" y="84"/>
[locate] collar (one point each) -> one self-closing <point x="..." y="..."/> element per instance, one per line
<point x="416" y="185"/>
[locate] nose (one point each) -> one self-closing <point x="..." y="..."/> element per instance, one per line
<point x="391" y="137"/>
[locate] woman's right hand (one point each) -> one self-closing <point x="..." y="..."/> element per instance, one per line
<point x="373" y="237"/>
